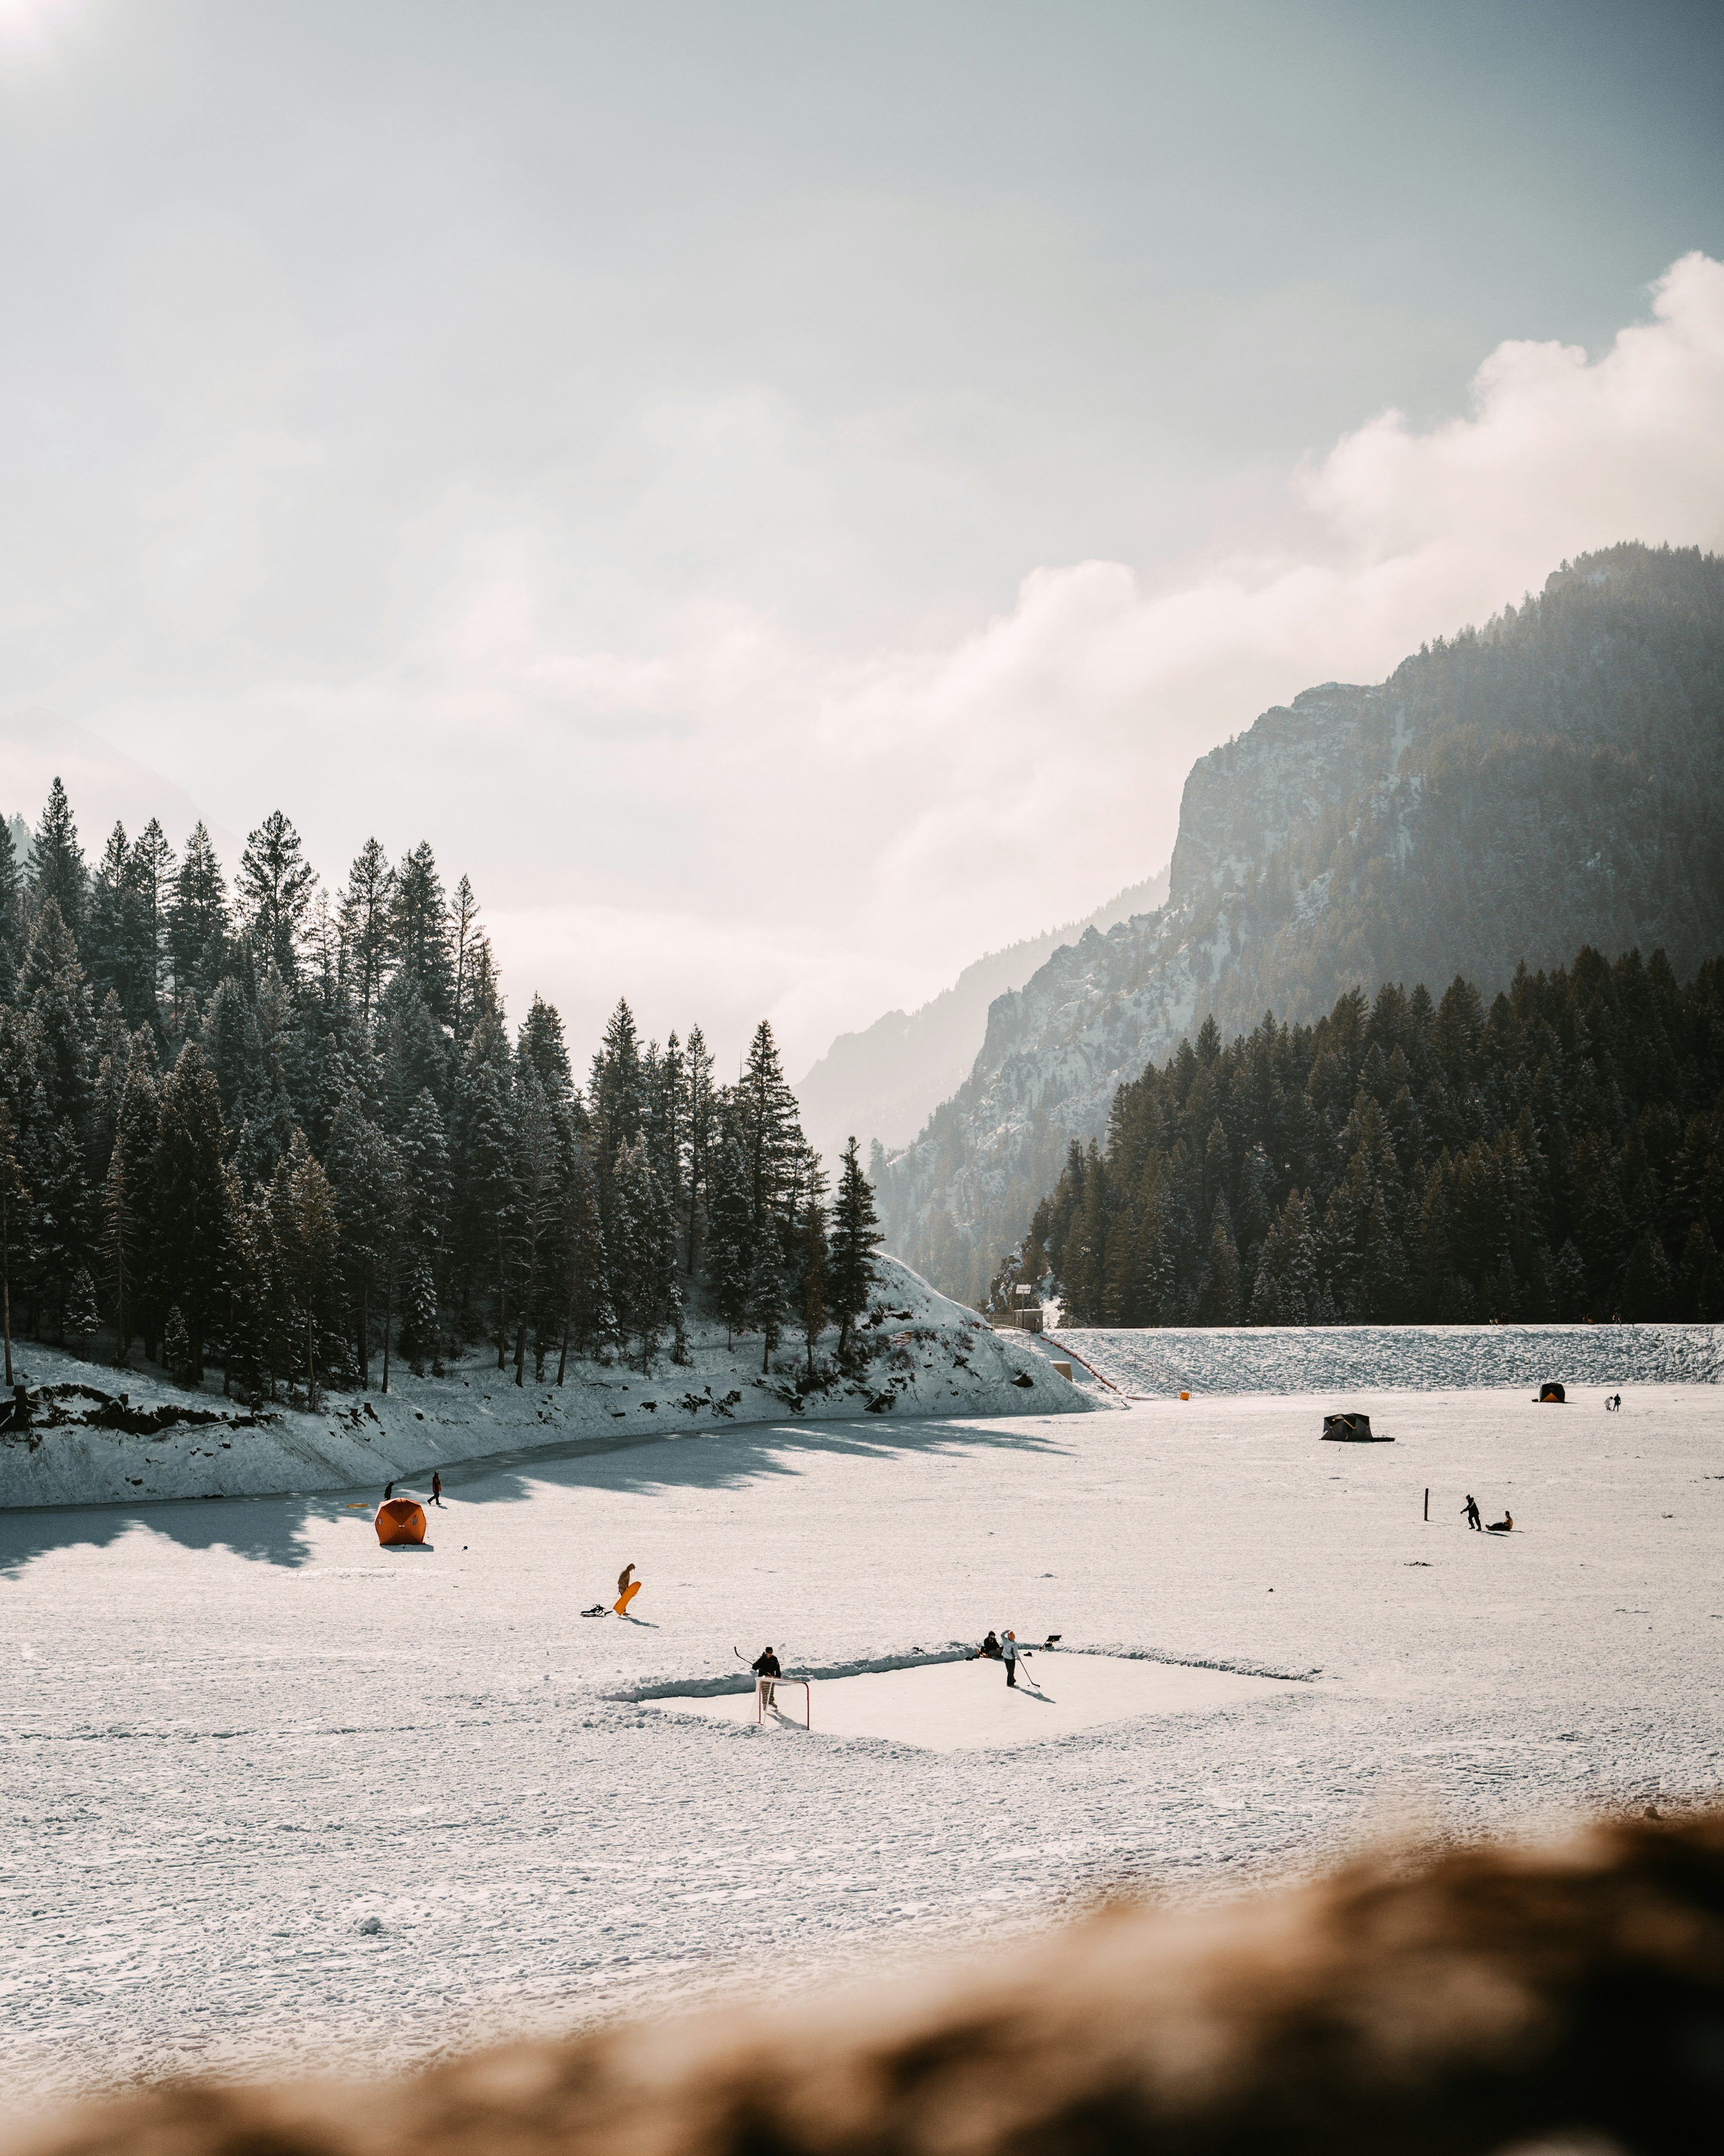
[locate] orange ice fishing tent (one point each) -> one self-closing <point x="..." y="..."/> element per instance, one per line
<point x="400" y="1520"/>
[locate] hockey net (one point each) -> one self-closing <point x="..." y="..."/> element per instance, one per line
<point x="766" y="1700"/>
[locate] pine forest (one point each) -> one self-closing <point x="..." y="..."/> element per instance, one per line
<point x="287" y="1136"/>
<point x="1559" y="1156"/>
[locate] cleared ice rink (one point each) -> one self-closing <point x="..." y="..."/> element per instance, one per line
<point x="234" y="1731"/>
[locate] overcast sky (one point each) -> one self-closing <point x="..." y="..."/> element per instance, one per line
<point x="779" y="492"/>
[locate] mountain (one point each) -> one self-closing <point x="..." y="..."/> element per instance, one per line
<point x="1553" y="779"/>
<point x="884" y="1081"/>
<point x="106" y="785"/>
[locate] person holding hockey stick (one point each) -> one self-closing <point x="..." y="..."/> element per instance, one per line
<point x="766" y="1667"/>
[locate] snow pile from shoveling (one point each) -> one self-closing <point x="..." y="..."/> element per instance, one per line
<point x="929" y="1356"/>
<point x="1399" y="1357"/>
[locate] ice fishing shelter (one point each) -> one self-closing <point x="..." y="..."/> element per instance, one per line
<point x="1552" y="1391"/>
<point x="400" y="1520"/>
<point x="1350" y="1427"/>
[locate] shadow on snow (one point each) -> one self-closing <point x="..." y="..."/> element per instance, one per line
<point x="274" y="1530"/>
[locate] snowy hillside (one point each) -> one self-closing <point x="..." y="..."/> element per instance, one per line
<point x="929" y="1357"/>
<point x="1312" y="1358"/>
<point x="884" y="1081"/>
<point x="1552" y="781"/>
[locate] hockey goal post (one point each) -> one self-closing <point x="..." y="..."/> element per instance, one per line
<point x="762" y="1686"/>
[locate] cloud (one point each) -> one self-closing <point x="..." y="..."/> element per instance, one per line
<point x="732" y="816"/>
<point x="909" y="807"/>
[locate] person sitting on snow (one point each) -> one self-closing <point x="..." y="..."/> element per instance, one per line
<point x="989" y="1650"/>
<point x="1505" y="1526"/>
<point x="768" y="1665"/>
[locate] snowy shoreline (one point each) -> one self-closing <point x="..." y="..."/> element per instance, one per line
<point x="932" y="1357"/>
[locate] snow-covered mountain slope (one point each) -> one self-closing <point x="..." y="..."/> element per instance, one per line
<point x="929" y="1357"/>
<point x="883" y="1082"/>
<point x="1553" y="780"/>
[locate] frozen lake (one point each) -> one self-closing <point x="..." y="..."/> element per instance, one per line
<point x="234" y="1730"/>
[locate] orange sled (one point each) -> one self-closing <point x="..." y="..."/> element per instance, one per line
<point x="621" y="1604"/>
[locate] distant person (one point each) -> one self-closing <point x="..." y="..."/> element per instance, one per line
<point x="1471" y="1509"/>
<point x="388" y="1491"/>
<point x="1008" y="1656"/>
<point x="766" y="1666"/>
<point x="437" y="1489"/>
<point x="628" y="1587"/>
<point x="1616" y="1403"/>
<point x="989" y="1650"/>
<point x="1505" y="1526"/>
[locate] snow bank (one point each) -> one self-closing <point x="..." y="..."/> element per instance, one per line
<point x="1418" y="1358"/>
<point x="929" y="1356"/>
<point x="964" y="1705"/>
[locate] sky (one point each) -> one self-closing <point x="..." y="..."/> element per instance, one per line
<point x="780" y="493"/>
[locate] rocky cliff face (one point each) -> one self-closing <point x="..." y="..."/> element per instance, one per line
<point x="884" y="1081"/>
<point x="1554" y="779"/>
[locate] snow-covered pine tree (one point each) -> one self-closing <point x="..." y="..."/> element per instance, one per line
<point x="703" y="1126"/>
<point x="420" y="926"/>
<point x="198" y="923"/>
<point x="177" y="1357"/>
<point x="56" y="868"/>
<point x="538" y="1187"/>
<point x="853" y="1239"/>
<point x="84" y="1316"/>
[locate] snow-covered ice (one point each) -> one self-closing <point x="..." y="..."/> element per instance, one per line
<point x="957" y="1705"/>
<point x="1295" y="1358"/>
<point x="233" y="1733"/>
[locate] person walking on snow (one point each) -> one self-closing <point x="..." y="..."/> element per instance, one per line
<point x="437" y="1489"/>
<point x="1471" y="1509"/>
<point x="1008" y="1655"/>
<point x="768" y="1665"/>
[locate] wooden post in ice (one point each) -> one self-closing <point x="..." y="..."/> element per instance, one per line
<point x="1427" y="1504"/>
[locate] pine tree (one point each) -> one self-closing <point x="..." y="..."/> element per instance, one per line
<point x="197" y="921"/>
<point x="53" y="987"/>
<point x="276" y="886"/>
<point x="855" y="1236"/>
<point x="15" y="1238"/>
<point x="368" y="927"/>
<point x="57" y="871"/>
<point x="730" y="1241"/>
<point x="366" y="1180"/>
<point x="537" y="1183"/>
<point x="1218" y="1288"/>
<point x="810" y="1253"/>
<point x="12" y="913"/>
<point x="189" y="1201"/>
<point x="83" y="1316"/>
<point x="463" y="938"/>
<point x="703" y="1130"/>
<point x="178" y="1357"/>
<point x="307" y="1233"/>
<point x="121" y="1239"/>
<point x="420" y="928"/>
<point x="589" y="1321"/>
<point x="418" y="1332"/>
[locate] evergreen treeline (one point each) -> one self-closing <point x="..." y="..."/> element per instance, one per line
<point x="1559" y="1157"/>
<point x="289" y="1137"/>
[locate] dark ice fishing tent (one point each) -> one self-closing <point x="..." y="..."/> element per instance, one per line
<point x="1552" y="1391"/>
<point x="1351" y="1428"/>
